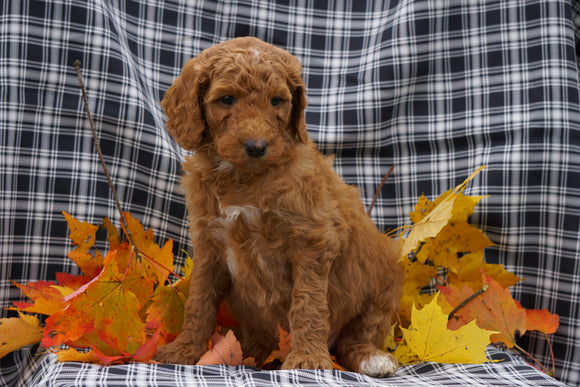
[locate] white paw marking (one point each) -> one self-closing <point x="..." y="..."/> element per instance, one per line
<point x="378" y="365"/>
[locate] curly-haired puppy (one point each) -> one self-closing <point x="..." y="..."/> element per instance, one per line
<point x="276" y="233"/>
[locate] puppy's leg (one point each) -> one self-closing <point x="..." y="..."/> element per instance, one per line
<point x="309" y="315"/>
<point x="209" y="283"/>
<point x="357" y="348"/>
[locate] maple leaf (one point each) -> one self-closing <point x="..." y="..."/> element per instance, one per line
<point x="71" y="354"/>
<point x="454" y="238"/>
<point x="417" y="276"/>
<point x="391" y="339"/>
<point x="430" y="218"/>
<point x="495" y="310"/>
<point x="542" y="321"/>
<point x="83" y="235"/>
<point x="165" y="313"/>
<point x="428" y="339"/>
<point x="157" y="260"/>
<point x="224" y="350"/>
<point x="284" y="347"/>
<point x="132" y="272"/>
<point x="16" y="332"/>
<point x="65" y="327"/>
<point x="112" y="234"/>
<point x="146" y="352"/>
<point x="112" y="312"/>
<point x="46" y="296"/>
<point x="182" y="284"/>
<point x="70" y="281"/>
<point x="471" y="266"/>
<point x="102" y="315"/>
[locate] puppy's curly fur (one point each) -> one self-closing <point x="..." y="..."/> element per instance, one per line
<point x="277" y="234"/>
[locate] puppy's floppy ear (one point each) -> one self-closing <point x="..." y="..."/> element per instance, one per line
<point x="183" y="105"/>
<point x="298" y="89"/>
<point x="298" y="106"/>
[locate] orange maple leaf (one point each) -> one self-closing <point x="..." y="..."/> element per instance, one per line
<point x="156" y="261"/>
<point x="284" y="347"/>
<point x="494" y="310"/>
<point x="542" y="321"/>
<point x="83" y="235"/>
<point x="110" y="312"/>
<point x="46" y="296"/>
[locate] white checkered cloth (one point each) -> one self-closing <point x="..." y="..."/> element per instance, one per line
<point x="436" y="88"/>
<point x="510" y="370"/>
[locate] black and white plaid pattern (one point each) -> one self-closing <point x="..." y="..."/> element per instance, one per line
<point x="435" y="88"/>
<point x="509" y="371"/>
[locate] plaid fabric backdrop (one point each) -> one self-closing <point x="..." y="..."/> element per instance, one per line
<point x="436" y="88"/>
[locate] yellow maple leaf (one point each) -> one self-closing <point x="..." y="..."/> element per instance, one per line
<point x="428" y="339"/>
<point x="432" y="217"/>
<point x="16" y="332"/>
<point x="417" y="276"/>
<point x="470" y="273"/>
<point x="391" y="339"/>
<point x="454" y="238"/>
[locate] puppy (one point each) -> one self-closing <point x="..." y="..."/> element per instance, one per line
<point x="277" y="234"/>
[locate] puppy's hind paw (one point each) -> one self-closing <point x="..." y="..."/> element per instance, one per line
<point x="379" y="364"/>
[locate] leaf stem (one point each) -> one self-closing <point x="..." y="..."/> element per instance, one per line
<point x="468" y="300"/>
<point x="379" y="190"/>
<point x="77" y="65"/>
<point x="542" y="368"/>
<point x="161" y="268"/>
<point x="553" y="371"/>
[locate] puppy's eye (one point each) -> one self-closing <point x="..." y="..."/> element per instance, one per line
<point x="276" y="101"/>
<point x="227" y="100"/>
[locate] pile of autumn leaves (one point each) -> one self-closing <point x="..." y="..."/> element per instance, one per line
<point x="123" y="307"/>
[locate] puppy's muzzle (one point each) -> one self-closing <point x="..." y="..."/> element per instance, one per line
<point x="255" y="148"/>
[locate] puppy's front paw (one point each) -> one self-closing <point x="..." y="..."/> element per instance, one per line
<point x="300" y="360"/>
<point x="379" y="364"/>
<point x="177" y="352"/>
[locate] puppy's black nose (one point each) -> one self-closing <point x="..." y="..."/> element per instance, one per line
<point x="256" y="148"/>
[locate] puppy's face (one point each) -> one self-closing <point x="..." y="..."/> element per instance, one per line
<point x="242" y="100"/>
<point x="248" y="111"/>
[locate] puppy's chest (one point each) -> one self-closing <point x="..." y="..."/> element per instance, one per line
<point x="255" y="244"/>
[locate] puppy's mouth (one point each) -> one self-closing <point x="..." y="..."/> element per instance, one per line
<point x="254" y="155"/>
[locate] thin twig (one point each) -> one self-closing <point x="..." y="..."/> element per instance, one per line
<point x="468" y="300"/>
<point x="161" y="268"/>
<point x="379" y="190"/>
<point x="124" y="226"/>
<point x="540" y="365"/>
